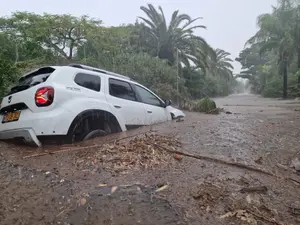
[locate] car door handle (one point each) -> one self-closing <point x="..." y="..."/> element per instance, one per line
<point x="117" y="106"/>
<point x="148" y="111"/>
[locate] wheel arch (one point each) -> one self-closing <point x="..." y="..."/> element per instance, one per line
<point x="91" y="113"/>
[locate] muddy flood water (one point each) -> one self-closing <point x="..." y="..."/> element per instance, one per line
<point x="232" y="168"/>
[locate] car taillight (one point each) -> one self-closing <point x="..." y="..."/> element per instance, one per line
<point x="44" y="96"/>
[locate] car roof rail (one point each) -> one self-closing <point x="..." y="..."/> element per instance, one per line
<point x="85" y="67"/>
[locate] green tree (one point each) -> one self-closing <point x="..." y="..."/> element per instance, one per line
<point x="62" y="34"/>
<point x="222" y="65"/>
<point x="275" y="34"/>
<point x="174" y="38"/>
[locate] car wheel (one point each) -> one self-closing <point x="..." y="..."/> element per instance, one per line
<point x="107" y="129"/>
<point x="93" y="134"/>
<point x="84" y="131"/>
<point x="173" y="116"/>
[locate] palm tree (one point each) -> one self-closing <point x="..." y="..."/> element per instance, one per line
<point x="175" y="37"/>
<point x="221" y="64"/>
<point x="276" y="34"/>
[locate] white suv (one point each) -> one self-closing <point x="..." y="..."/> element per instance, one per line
<point x="78" y="102"/>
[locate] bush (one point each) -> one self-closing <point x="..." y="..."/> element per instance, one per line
<point x="8" y="74"/>
<point x="204" y="105"/>
<point x="273" y="88"/>
<point x="152" y="72"/>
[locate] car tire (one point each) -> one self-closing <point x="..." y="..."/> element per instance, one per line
<point x="173" y="116"/>
<point x="93" y="134"/>
<point x="107" y="128"/>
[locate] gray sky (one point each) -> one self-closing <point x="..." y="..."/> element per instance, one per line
<point x="229" y="22"/>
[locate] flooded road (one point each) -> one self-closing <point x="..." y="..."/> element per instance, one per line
<point x="41" y="188"/>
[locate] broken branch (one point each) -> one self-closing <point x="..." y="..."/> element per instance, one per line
<point x="254" y="189"/>
<point x="208" y="158"/>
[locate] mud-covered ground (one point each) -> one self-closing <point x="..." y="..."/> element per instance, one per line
<point x="139" y="181"/>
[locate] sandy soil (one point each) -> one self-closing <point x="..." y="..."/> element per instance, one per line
<point x="119" y="183"/>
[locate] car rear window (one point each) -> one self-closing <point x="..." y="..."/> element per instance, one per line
<point x="88" y="81"/>
<point x="31" y="79"/>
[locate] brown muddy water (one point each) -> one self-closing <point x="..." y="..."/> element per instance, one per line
<point x="76" y="186"/>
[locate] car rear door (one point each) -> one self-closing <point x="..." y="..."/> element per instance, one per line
<point x="155" y="108"/>
<point x="123" y="101"/>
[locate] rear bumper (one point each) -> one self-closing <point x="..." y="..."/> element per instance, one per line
<point x="54" y="122"/>
<point x="28" y="135"/>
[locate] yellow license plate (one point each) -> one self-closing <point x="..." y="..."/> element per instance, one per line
<point x="11" y="116"/>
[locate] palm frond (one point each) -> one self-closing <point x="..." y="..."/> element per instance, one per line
<point x="148" y="22"/>
<point x="190" y="22"/>
<point x="180" y="18"/>
<point x="268" y="46"/>
<point x="173" y="20"/>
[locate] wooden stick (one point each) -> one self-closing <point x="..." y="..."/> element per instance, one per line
<point x="220" y="161"/>
<point x="208" y="158"/>
<point x="254" y="189"/>
<point x="263" y="218"/>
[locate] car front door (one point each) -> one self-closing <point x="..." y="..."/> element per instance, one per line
<point x="124" y="102"/>
<point x="155" y="109"/>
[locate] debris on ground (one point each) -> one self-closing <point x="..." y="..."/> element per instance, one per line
<point x="281" y="166"/>
<point x="261" y="189"/>
<point x="180" y="119"/>
<point x="242" y="215"/>
<point x="178" y="157"/>
<point x="204" y="105"/>
<point x="294" y="208"/>
<point x="83" y="201"/>
<point x="137" y="153"/>
<point x="207" y="194"/>
<point x="259" y="160"/>
<point x="215" y="111"/>
<point x="164" y="187"/>
<point x="295" y="164"/>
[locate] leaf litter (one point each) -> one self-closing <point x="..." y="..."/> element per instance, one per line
<point x="138" y="153"/>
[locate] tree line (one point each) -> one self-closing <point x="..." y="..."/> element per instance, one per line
<point x="271" y="59"/>
<point x="150" y="51"/>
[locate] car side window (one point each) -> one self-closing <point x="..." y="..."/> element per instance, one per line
<point x="88" y="81"/>
<point x="147" y="97"/>
<point x="121" y="89"/>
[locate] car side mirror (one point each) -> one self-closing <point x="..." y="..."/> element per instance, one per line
<point x="168" y="102"/>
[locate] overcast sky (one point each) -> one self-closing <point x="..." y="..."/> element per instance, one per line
<point x="229" y="22"/>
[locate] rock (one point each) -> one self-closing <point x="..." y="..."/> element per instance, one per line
<point x="296" y="164"/>
<point x="178" y="157"/>
<point x="82" y="201"/>
<point x="259" y="160"/>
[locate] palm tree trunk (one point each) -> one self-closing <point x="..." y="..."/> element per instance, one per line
<point x="285" y="86"/>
